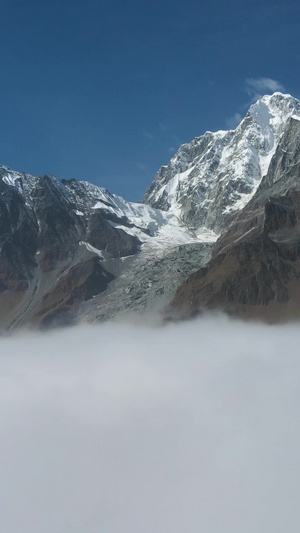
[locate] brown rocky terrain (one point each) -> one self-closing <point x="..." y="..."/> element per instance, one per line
<point x="257" y="275"/>
<point x="255" y="267"/>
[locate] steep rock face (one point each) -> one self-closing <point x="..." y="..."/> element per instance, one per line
<point x="282" y="176"/>
<point x="255" y="263"/>
<point x="214" y="176"/>
<point x="114" y="241"/>
<point x="81" y="282"/>
<point x="18" y="239"/>
<point x="256" y="275"/>
<point x="60" y="229"/>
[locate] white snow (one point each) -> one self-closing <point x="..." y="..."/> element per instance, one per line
<point x="24" y="183"/>
<point x="225" y="164"/>
<point x="239" y="204"/>
<point x="10" y="179"/>
<point x="91" y="248"/>
<point x="206" y="235"/>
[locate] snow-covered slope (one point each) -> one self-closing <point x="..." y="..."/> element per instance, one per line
<point x="215" y="175"/>
<point x="153" y="227"/>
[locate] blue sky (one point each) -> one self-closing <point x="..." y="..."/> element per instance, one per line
<point x="107" y="90"/>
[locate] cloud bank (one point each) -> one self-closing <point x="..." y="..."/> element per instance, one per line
<point x="258" y="87"/>
<point x="129" y="429"/>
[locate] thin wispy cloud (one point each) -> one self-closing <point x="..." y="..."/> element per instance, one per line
<point x="141" y="167"/>
<point x="257" y="87"/>
<point x="163" y="127"/>
<point x="148" y="135"/>
<point x="129" y="429"/>
<point x="233" y="121"/>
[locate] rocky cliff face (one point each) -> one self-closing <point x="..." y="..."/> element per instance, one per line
<point x="214" y="176"/>
<point x="40" y="246"/>
<point x="255" y="267"/>
<point x="70" y="250"/>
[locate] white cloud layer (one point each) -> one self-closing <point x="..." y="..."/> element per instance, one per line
<point x="132" y="429"/>
<point x="257" y="87"/>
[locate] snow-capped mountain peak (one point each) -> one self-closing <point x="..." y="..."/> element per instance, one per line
<point x="216" y="174"/>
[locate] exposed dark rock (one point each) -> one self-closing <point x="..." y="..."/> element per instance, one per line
<point x="78" y="284"/>
<point x="102" y="235"/>
<point x="251" y="273"/>
<point x="19" y="233"/>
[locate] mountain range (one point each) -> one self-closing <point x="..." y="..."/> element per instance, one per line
<point x="218" y="228"/>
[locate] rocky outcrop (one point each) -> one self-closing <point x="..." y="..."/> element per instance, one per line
<point x="103" y="236"/>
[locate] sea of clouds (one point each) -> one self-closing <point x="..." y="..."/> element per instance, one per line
<point x="125" y="428"/>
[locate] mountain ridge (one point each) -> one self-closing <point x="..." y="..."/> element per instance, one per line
<point x="72" y="250"/>
<point x="209" y="178"/>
